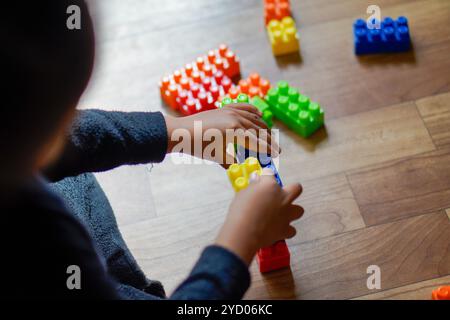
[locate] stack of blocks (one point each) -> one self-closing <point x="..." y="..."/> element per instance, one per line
<point x="393" y="36"/>
<point x="295" y="110"/>
<point x="259" y="103"/>
<point x="198" y="86"/>
<point x="281" y="27"/>
<point x="276" y="256"/>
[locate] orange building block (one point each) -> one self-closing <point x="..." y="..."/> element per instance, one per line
<point x="254" y="85"/>
<point x="441" y="293"/>
<point x="276" y="10"/>
<point x="199" y="85"/>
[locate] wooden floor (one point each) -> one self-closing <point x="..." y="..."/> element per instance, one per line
<point x="376" y="180"/>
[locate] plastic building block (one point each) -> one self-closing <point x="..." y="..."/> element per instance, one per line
<point x="262" y="106"/>
<point x="393" y="36"/>
<point x="199" y="85"/>
<point x="441" y="293"/>
<point x="193" y="90"/>
<point x="274" y="257"/>
<point x="295" y="110"/>
<point x="254" y="85"/>
<point x="276" y="10"/>
<point x="283" y="36"/>
<point x="259" y="103"/>
<point x="239" y="174"/>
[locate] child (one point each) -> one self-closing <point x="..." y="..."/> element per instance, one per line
<point x="48" y="243"/>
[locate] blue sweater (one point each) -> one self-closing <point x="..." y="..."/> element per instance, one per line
<point x="42" y="236"/>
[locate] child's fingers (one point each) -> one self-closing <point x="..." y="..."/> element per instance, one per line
<point x="294" y="212"/>
<point x="260" y="132"/>
<point x="251" y="142"/>
<point x="254" y="177"/>
<point x="268" y="176"/>
<point x="291" y="232"/>
<point x="268" y="172"/>
<point x="252" y="117"/>
<point x="246" y="107"/>
<point x="264" y="134"/>
<point x="292" y="192"/>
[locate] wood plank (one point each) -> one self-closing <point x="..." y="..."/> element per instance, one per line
<point x="330" y="208"/>
<point x="406" y="251"/>
<point x="129" y="192"/>
<point x="403" y="188"/>
<point x="435" y="111"/>
<point x="179" y="187"/>
<point x="354" y="142"/>
<point x="417" y="291"/>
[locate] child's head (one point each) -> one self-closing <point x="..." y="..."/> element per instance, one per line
<point x="45" y="68"/>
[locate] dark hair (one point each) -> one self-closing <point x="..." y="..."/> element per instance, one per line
<point x="45" y="68"/>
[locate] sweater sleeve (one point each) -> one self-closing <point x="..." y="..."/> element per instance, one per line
<point x="218" y="275"/>
<point x="102" y="140"/>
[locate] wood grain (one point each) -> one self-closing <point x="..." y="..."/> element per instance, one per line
<point x="417" y="291"/>
<point x="403" y="188"/>
<point x="355" y="141"/>
<point x="178" y="187"/>
<point x="406" y="251"/>
<point x="330" y="208"/>
<point x="435" y="111"/>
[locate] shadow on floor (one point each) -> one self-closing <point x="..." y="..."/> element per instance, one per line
<point x="288" y="60"/>
<point x="309" y="144"/>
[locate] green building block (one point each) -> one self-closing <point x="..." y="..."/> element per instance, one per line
<point x="259" y="103"/>
<point x="295" y="110"/>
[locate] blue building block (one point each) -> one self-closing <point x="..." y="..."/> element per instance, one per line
<point x="264" y="159"/>
<point x="392" y="37"/>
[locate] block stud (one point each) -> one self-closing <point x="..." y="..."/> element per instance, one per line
<point x="242" y="98"/>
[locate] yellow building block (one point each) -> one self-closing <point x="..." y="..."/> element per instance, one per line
<point x="283" y="36"/>
<point x="239" y="174"/>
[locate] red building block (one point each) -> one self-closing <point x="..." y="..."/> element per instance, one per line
<point x="254" y="85"/>
<point x="441" y="293"/>
<point x="276" y="10"/>
<point x="198" y="85"/>
<point x="274" y="257"/>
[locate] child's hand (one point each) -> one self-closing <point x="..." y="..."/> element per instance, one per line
<point x="250" y="131"/>
<point x="259" y="216"/>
